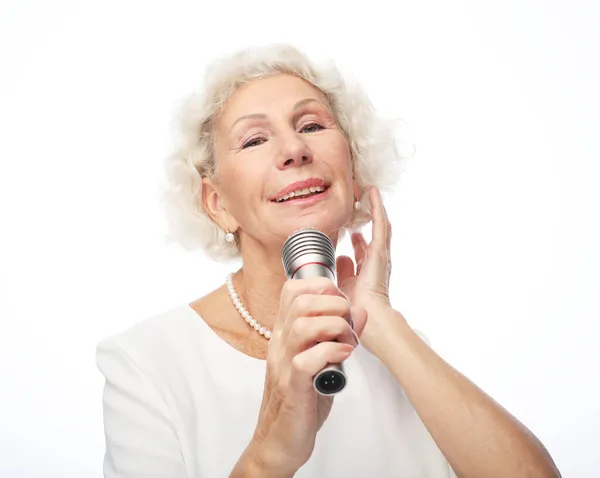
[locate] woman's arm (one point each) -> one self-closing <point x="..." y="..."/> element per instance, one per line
<point x="140" y="439"/>
<point x="478" y="437"/>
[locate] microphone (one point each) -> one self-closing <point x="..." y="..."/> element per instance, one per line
<point x="310" y="253"/>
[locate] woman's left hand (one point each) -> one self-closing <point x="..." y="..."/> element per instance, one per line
<point x="368" y="285"/>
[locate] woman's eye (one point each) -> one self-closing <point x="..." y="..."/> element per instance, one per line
<point x="253" y="142"/>
<point x="311" y="128"/>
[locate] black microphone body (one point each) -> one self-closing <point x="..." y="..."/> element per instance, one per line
<point x="310" y="253"/>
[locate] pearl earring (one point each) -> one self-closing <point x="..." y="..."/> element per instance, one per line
<point x="229" y="236"/>
<point x="357" y="204"/>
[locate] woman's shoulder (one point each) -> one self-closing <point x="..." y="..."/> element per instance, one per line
<point x="151" y="343"/>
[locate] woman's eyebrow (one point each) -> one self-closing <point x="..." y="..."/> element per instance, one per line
<point x="301" y="103"/>
<point x="245" y="117"/>
<point x="297" y="106"/>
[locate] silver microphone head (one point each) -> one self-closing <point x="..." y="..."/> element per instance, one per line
<point x="308" y="253"/>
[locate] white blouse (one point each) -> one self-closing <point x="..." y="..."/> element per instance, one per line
<point x="181" y="402"/>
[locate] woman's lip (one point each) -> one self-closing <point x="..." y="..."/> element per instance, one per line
<point x="305" y="201"/>
<point x="307" y="183"/>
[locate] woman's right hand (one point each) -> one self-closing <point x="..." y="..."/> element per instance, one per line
<point x="312" y="329"/>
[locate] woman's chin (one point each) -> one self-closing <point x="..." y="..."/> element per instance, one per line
<point x="324" y="223"/>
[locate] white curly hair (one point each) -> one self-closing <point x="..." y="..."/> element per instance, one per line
<point x="373" y="144"/>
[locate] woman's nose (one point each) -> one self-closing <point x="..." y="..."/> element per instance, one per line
<point x="294" y="152"/>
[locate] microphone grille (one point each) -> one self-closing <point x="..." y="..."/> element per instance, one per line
<point x="307" y="242"/>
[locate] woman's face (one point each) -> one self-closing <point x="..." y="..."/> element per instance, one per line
<point x="283" y="162"/>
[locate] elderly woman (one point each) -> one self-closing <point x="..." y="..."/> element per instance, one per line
<point x="223" y="386"/>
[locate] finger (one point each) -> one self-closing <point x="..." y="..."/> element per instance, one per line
<point x="306" y="332"/>
<point x="307" y="364"/>
<point x="359" y="244"/>
<point x="345" y="269"/>
<point x="311" y="305"/>
<point x="381" y="225"/>
<point x="293" y="288"/>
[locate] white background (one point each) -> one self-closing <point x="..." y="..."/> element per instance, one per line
<point x="496" y="218"/>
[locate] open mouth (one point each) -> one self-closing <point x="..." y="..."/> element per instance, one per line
<point x="302" y="193"/>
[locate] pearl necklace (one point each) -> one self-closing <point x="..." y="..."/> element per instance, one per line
<point x="266" y="333"/>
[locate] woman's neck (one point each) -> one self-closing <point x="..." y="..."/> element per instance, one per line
<point x="259" y="283"/>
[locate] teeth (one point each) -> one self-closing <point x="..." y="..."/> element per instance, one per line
<point x="301" y="192"/>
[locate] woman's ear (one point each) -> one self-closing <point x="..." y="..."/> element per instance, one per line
<point x="212" y="202"/>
